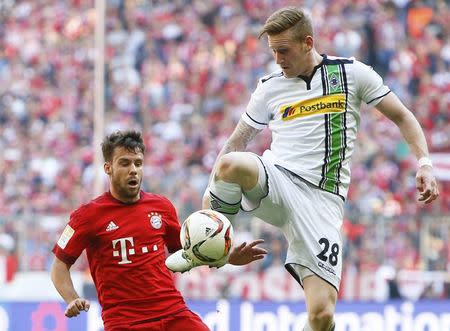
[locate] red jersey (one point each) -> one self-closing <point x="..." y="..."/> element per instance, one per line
<point x="125" y="249"/>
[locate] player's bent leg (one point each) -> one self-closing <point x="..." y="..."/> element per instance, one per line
<point x="235" y="172"/>
<point x="321" y="299"/>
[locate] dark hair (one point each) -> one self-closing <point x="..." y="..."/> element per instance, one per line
<point x="287" y="18"/>
<point x="131" y="140"/>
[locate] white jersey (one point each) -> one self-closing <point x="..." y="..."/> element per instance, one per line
<point x="314" y="121"/>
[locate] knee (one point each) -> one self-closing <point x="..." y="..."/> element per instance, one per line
<point x="321" y="317"/>
<point x="229" y="167"/>
<point x="239" y="168"/>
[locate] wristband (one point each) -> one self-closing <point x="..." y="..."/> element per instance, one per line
<point x="425" y="161"/>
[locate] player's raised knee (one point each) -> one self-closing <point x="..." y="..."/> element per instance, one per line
<point x="231" y="166"/>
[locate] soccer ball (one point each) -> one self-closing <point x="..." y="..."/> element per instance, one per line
<point x="206" y="236"/>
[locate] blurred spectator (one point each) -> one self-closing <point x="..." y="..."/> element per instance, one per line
<point x="8" y="258"/>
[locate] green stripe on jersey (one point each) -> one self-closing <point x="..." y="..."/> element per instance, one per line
<point x="334" y="153"/>
<point x="333" y="159"/>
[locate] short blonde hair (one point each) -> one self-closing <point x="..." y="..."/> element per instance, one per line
<point x="288" y="18"/>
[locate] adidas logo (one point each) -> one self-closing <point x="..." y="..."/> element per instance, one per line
<point x="111" y="226"/>
<point x="207" y="231"/>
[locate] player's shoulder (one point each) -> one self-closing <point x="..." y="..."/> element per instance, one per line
<point x="352" y="64"/>
<point x="272" y="77"/>
<point x="332" y="59"/>
<point x="88" y="208"/>
<point x="156" y="199"/>
<point x="82" y="212"/>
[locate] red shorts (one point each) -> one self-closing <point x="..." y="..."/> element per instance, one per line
<point x="185" y="320"/>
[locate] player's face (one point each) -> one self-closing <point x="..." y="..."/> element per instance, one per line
<point x="289" y="54"/>
<point x="125" y="171"/>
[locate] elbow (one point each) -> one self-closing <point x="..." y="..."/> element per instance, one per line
<point x="236" y="145"/>
<point x="231" y="146"/>
<point x="406" y="119"/>
<point x="399" y="119"/>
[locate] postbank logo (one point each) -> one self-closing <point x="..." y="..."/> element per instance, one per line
<point x="334" y="103"/>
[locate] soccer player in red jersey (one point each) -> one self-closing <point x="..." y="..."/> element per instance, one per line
<point x="125" y="232"/>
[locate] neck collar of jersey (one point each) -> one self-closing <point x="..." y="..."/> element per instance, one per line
<point x="308" y="79"/>
<point x="122" y="202"/>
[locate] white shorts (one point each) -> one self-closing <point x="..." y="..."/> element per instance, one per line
<point x="309" y="217"/>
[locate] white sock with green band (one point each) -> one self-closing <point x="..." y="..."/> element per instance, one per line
<point x="225" y="198"/>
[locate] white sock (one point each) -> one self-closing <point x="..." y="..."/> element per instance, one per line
<point x="225" y="198"/>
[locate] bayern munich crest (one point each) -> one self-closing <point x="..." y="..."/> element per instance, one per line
<point x="155" y="220"/>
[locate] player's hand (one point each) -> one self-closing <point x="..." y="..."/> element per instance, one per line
<point x="76" y="306"/>
<point x="426" y="184"/>
<point x="244" y="254"/>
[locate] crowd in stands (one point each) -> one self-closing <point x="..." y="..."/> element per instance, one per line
<point x="182" y="72"/>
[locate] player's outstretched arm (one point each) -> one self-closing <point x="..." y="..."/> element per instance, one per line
<point x="247" y="253"/>
<point x="62" y="281"/>
<point x="410" y="128"/>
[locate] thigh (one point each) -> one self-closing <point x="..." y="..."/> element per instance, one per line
<point x="314" y="234"/>
<point x="276" y="187"/>
<point x="310" y="219"/>
<point x="313" y="231"/>
<point x="186" y="321"/>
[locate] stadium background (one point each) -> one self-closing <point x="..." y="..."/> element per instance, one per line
<point x="182" y="72"/>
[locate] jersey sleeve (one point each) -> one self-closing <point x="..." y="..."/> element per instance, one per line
<point x="172" y="233"/>
<point x="73" y="239"/>
<point x="257" y="112"/>
<point x="369" y="84"/>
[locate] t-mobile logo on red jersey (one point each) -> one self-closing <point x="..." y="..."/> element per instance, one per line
<point x="124" y="252"/>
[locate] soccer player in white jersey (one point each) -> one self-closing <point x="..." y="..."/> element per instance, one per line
<point x="312" y="106"/>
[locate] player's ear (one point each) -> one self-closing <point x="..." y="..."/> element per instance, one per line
<point x="309" y="42"/>
<point x="107" y="168"/>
